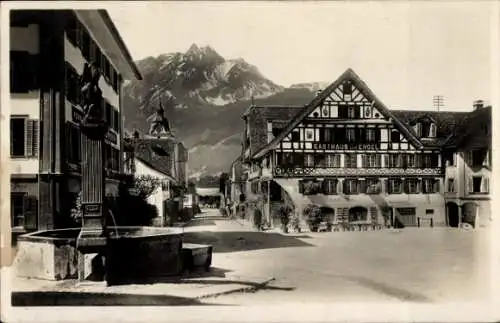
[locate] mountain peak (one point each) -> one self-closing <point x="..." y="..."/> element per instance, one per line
<point x="193" y="49"/>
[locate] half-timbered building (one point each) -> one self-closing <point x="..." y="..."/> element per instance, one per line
<point x="348" y="153"/>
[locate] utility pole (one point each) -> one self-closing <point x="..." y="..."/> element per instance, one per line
<point x="438" y="102"/>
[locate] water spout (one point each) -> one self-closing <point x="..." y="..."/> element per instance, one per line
<point x="114" y="222"/>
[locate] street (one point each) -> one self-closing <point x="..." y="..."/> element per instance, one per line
<point x="413" y="264"/>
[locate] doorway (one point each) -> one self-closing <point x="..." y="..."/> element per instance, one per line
<point x="453" y="217"/>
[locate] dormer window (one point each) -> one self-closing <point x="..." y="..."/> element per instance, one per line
<point x="418" y="129"/>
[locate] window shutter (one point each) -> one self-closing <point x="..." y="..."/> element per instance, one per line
<point x="36" y="137"/>
<point x="486" y="185"/>
<point x="469" y="158"/>
<point x="419" y="186"/>
<point x="364" y="161"/>
<point x="344" y="186"/>
<point x="386" y="186"/>
<point x="486" y="158"/>
<point x="324" y="187"/>
<point x="301" y="187"/>
<point x="386" y="161"/>
<point x="454" y="157"/>
<point x="378" y="160"/>
<point x="30" y="212"/>
<point x="469" y="185"/>
<point x="362" y="186"/>
<point x="28" y="137"/>
<point x="436" y="186"/>
<point x="406" y="185"/>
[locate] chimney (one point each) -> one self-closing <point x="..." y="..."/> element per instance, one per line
<point x="478" y="104"/>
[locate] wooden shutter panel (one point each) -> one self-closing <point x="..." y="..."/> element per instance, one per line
<point x="485" y="185"/>
<point x="364" y="161"/>
<point x="386" y="161"/>
<point x="30" y="212"/>
<point x="28" y="137"/>
<point x="36" y="137"/>
<point x="386" y="186"/>
<point x="469" y="185"/>
<point x="301" y="187"/>
<point x="486" y="158"/>
<point x="324" y="187"/>
<point x="436" y="186"/>
<point x="406" y="187"/>
<point x="362" y="186"/>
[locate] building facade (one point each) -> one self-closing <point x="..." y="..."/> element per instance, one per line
<point x="348" y="153"/>
<point x="48" y="52"/>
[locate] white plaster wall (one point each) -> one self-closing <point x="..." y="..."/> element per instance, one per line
<point x="25" y="39"/>
<point x="73" y="56"/>
<point x="157" y="197"/>
<point x="420" y="201"/>
<point x="24" y="166"/>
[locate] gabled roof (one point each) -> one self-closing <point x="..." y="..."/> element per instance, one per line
<point x="257" y="120"/>
<point x="447" y="123"/>
<point x="474" y="131"/>
<point x="156" y="153"/>
<point x="148" y="164"/>
<point x="349" y="74"/>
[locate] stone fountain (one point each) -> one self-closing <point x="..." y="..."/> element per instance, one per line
<point x="117" y="254"/>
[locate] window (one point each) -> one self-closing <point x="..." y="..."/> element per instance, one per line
<point x="370" y="135"/>
<point x="72" y="85"/>
<point x="395" y="186"/>
<point x="295" y="136"/>
<point x="343" y="114"/>
<point x="309" y="134"/>
<point x="116" y="118"/>
<point x="351" y="134"/>
<point x="477" y="157"/>
<point x="395" y="137"/>
<point x="351" y="186"/>
<point x="326" y="135"/>
<point x="372" y="186"/>
<point x="395" y="160"/>
<point x="85" y="44"/>
<point x="351" y="161"/>
<point x="351" y="112"/>
<point x="18" y="138"/>
<point x="371" y="161"/>
<point x="429" y="211"/>
<point x="309" y="187"/>
<point x="476" y="184"/>
<point x="23" y="72"/>
<point x="74" y="152"/>
<point x="24" y="137"/>
<point x="276" y="131"/>
<point x="411" y="186"/>
<point x="333" y="160"/>
<point x="430" y="185"/>
<point x="17" y="209"/>
<point x="429" y="160"/>
<point x="450" y="158"/>
<point x="330" y="186"/>
<point x="308" y="160"/>
<point x="411" y="161"/>
<point x="432" y="131"/>
<point x="24" y="210"/>
<point x="451" y="185"/>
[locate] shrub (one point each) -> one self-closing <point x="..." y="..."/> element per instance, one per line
<point x="312" y="213"/>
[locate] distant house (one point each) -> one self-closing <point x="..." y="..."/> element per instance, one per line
<point x="164" y="158"/>
<point x="209" y="197"/>
<point x="236" y="181"/>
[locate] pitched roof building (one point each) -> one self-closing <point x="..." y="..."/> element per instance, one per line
<point x="363" y="162"/>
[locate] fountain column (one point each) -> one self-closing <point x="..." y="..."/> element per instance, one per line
<point x="93" y="235"/>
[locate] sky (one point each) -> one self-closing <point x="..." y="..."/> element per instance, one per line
<point x="406" y="52"/>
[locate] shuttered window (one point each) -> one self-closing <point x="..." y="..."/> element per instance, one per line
<point x="24" y="210"/>
<point x="24" y="134"/>
<point x="372" y="186"/>
<point x="23" y="72"/>
<point x="330" y="186"/>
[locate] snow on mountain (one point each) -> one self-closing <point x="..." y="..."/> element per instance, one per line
<point x="311" y="86"/>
